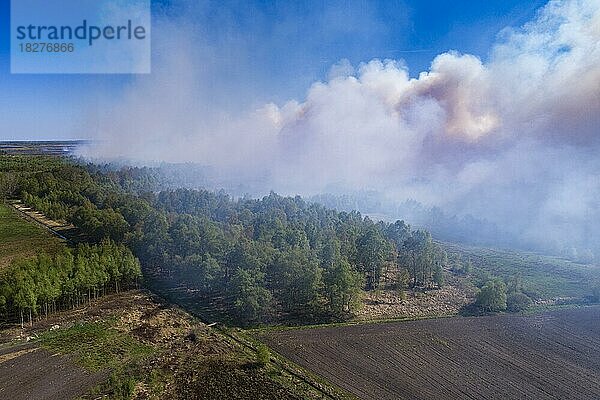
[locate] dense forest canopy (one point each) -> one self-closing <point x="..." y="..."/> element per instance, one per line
<point x="260" y="258"/>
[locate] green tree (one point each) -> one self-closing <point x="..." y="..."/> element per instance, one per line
<point x="8" y="184"/>
<point x="24" y="295"/>
<point x="373" y="250"/>
<point x="299" y="280"/>
<point x="263" y="355"/>
<point x="492" y="296"/>
<point x="417" y="253"/>
<point x="250" y="298"/>
<point x="438" y="275"/>
<point x="342" y="288"/>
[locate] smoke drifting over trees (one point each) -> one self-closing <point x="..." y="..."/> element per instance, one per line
<point x="512" y="139"/>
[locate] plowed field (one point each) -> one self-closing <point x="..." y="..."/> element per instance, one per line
<point x="555" y="355"/>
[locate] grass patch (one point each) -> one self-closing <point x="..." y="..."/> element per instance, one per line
<point x="96" y="345"/>
<point x="541" y="276"/>
<point x="276" y="328"/>
<point x="20" y="238"/>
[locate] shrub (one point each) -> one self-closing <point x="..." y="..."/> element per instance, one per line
<point x="517" y="302"/>
<point x="263" y="355"/>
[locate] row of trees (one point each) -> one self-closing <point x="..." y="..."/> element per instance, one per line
<point x="41" y="285"/>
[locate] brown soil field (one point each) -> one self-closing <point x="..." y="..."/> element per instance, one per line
<point x="553" y="355"/>
<point x="29" y="372"/>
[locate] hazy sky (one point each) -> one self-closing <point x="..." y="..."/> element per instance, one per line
<point x="262" y="51"/>
<point x="483" y="107"/>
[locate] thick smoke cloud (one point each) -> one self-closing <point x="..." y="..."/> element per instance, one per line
<point x="513" y="139"/>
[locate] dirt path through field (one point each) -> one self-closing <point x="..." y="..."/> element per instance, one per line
<point x="63" y="230"/>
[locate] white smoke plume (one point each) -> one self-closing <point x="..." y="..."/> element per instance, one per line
<point x="514" y="139"/>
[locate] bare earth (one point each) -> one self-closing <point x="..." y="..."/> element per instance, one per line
<point x="28" y="372"/>
<point x="448" y="300"/>
<point x="554" y="355"/>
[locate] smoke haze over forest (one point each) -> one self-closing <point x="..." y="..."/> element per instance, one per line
<point x="511" y="138"/>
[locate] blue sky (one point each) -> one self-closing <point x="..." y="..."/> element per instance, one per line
<point x="280" y="49"/>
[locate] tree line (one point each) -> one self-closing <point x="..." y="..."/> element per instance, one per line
<point x="35" y="287"/>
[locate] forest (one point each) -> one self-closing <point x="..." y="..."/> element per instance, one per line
<point x="42" y="285"/>
<point x="260" y="259"/>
